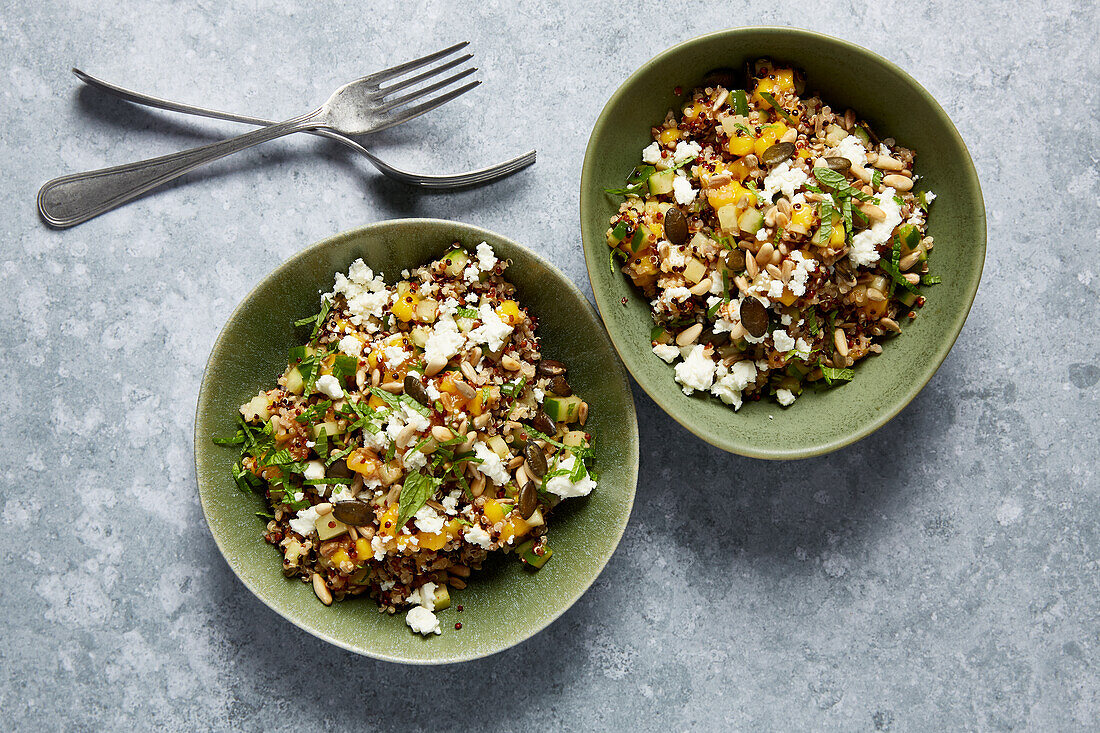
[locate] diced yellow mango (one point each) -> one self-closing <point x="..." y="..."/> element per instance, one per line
<point x="769" y="136"/>
<point x="364" y="461"/>
<point x="362" y="549"/>
<point x="670" y="135"/>
<point x="508" y="311"/>
<point x="494" y="511"/>
<point x="515" y="527"/>
<point x="739" y="145"/>
<point x="405" y="306"/>
<point x="387" y="523"/>
<point x="692" y="111"/>
<point x="340" y="558"/>
<point x="802" y="219"/>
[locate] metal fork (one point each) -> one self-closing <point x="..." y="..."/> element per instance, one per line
<point x="355" y="109"/>
<point x="420" y="180"/>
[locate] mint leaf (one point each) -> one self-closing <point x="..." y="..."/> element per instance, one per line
<point x="415" y="493"/>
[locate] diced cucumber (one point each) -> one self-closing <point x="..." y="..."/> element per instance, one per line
<point x="456" y="261"/>
<point x="526" y="553"/>
<point x="562" y="409"/>
<point x="294" y="381"/>
<point x="660" y="335"/>
<point x="751" y="221"/>
<point x="498" y="445"/>
<point x="908" y="299"/>
<point x="574" y="438"/>
<point x="661" y="182"/>
<point x="862" y="135"/>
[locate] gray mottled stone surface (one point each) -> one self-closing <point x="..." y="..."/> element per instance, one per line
<point x="941" y="574"/>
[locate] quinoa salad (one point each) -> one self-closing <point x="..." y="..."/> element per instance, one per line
<point x="417" y="430"/>
<point x="779" y="241"/>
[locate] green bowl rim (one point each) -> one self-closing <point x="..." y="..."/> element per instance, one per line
<point x="587" y="192"/>
<point x="632" y="448"/>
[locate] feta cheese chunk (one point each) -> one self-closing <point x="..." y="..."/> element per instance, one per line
<point x="422" y="621"/>
<point x="652" y="154"/>
<point x="477" y="536"/>
<point x="492" y="330"/>
<point x="444" y="341"/>
<point x="428" y="520"/>
<point x="329" y="386"/>
<point x="785" y="397"/>
<point x="564" y="486"/>
<point x="305" y="521"/>
<point x="683" y="191"/>
<point x="783" y="178"/>
<point x="314" y="470"/>
<point x="486" y="259"/>
<point x="668" y="352"/>
<point x="491" y="465"/>
<point x="351" y="346"/>
<point x="863" y="252"/>
<point x="696" y="371"/>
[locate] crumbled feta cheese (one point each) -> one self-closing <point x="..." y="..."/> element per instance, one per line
<point x="444" y="341"/>
<point x="414" y="418"/>
<point x="677" y="294"/>
<point x="471" y="274"/>
<point x="783" y="178"/>
<point x="305" y="521"/>
<point x="802" y="347"/>
<point x="775" y="289"/>
<point x="564" y="487"/>
<point x="668" y="352"/>
<point x="433" y="391"/>
<point x="365" y="293"/>
<point x="314" y="470"/>
<point x="388" y="585"/>
<point x="540" y="396"/>
<point x="785" y="319"/>
<point x="863" y="252"/>
<point x="851" y="148"/>
<point x="929" y="197"/>
<point x="696" y="371"/>
<point x="477" y="536"/>
<point x="683" y="191"/>
<point x="486" y="260"/>
<point x="351" y="346"/>
<point x="428" y="520"/>
<point x="731" y="381"/>
<point x="492" y="330"/>
<point x="784" y="396"/>
<point x="422" y="621"/>
<point x="685" y="151"/>
<point x="762" y="234"/>
<point x="330" y="386"/>
<point x="782" y="340"/>
<point x="652" y="153"/>
<point x="450" y="503"/>
<point x="378" y="546"/>
<point x="491" y="465"/>
<point x="413" y="460"/>
<point x="395" y="355"/>
<point x="801" y="273"/>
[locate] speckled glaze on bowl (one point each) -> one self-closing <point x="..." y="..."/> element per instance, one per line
<point x="896" y="106"/>
<point x="504" y="604"/>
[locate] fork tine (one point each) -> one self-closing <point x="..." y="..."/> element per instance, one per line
<point x="413" y="80"/>
<point x="418" y="93"/>
<point x="387" y="74"/>
<point x="407" y="114"/>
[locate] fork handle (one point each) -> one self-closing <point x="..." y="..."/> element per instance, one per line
<point x="70" y="200"/>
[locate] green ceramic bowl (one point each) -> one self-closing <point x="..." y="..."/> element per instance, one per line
<point x="896" y="106"/>
<point x="506" y="603"/>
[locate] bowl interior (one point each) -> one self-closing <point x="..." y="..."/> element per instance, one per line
<point x="896" y="106"/>
<point x="505" y="603"/>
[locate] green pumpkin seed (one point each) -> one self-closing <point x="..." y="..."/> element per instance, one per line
<point x="838" y="164"/>
<point x="550" y="368"/>
<point x="777" y="153"/>
<point x="528" y="499"/>
<point x="754" y="317"/>
<point x="354" y="513"/>
<point x="676" y="226"/>
<point x="536" y="461"/>
<point x="414" y="389"/>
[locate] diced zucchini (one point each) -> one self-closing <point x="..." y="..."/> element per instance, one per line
<point x="616" y="234"/>
<point x="442" y="598"/>
<point x="908" y="299"/>
<point x="751" y="221"/>
<point x="862" y="135"/>
<point x="661" y="182"/>
<point x="256" y="408"/>
<point x="498" y="445"/>
<point x="660" y="335"/>
<point x="329" y="526"/>
<point x="834" y="134"/>
<point x="822" y="235"/>
<point x="456" y="259"/>
<point x="909" y="236"/>
<point x="574" y="438"/>
<point x="526" y="553"/>
<point x="419" y="336"/>
<point x="695" y="270"/>
<point x="727" y="217"/>
<point x="294" y="381"/>
<point x="641" y="236"/>
<point x="331" y="429"/>
<point x="562" y="409"/>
